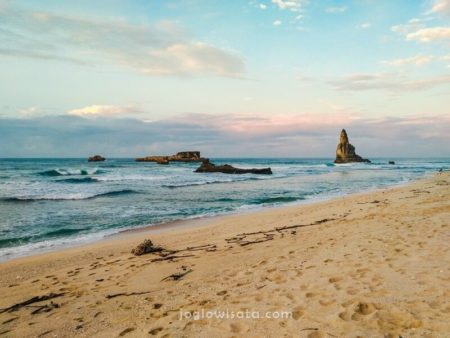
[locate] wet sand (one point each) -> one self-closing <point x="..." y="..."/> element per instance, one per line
<point x="369" y="265"/>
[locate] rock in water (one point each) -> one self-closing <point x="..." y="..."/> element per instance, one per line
<point x="345" y="152"/>
<point x="96" y="158"/>
<point x="183" y="156"/>
<point x="208" y="167"/>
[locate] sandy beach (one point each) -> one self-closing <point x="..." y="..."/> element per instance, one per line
<point x="374" y="264"/>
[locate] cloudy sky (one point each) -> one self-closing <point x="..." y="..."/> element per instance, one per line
<point x="229" y="78"/>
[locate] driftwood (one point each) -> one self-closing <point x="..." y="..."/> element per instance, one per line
<point x="170" y="258"/>
<point x="177" y="276"/>
<point x="268" y="235"/>
<point x="206" y="247"/>
<point x="127" y="294"/>
<point x="44" y="308"/>
<point x="33" y="300"/>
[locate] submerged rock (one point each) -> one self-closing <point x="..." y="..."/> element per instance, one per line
<point x="345" y="151"/>
<point x="208" y="167"/>
<point x="96" y="158"/>
<point x="391" y="162"/>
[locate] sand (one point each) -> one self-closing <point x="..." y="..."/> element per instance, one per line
<point x="368" y="265"/>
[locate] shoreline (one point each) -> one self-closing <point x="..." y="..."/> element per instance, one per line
<point x="187" y="222"/>
<point x="368" y="264"/>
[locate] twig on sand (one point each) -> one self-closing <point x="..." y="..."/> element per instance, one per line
<point x="127" y="294"/>
<point x="242" y="240"/>
<point x="206" y="247"/>
<point x="171" y="258"/>
<point x="30" y="301"/>
<point x="177" y="276"/>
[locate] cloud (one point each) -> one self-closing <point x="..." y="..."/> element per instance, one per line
<point x="441" y="7"/>
<point x="365" y="25"/>
<point x="159" y="49"/>
<point x="291" y="5"/>
<point x="277" y="23"/>
<point x="418" y="60"/>
<point x="430" y="34"/>
<point x="388" y="81"/>
<point x="262" y="6"/>
<point x="411" y="26"/>
<point x="104" y="110"/>
<point x="225" y="135"/>
<point x="336" y="10"/>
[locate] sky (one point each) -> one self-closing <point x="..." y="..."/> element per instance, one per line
<point x="230" y="78"/>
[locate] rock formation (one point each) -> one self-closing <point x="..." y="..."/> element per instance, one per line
<point x="208" y="167"/>
<point x="96" y="158"/>
<point x="345" y="152"/>
<point x="145" y="247"/>
<point x="184" y="156"/>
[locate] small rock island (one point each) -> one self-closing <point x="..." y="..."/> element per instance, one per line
<point x="345" y="152"/>
<point x="183" y="156"/>
<point x="208" y="167"/>
<point x="96" y="158"/>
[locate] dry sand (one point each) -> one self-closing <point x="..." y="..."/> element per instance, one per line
<point x="368" y="265"/>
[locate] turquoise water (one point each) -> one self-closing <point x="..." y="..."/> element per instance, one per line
<point x="48" y="203"/>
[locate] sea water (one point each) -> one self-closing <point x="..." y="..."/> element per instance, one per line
<point x="53" y="203"/>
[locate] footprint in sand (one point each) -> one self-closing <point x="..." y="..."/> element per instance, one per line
<point x="155" y="331"/>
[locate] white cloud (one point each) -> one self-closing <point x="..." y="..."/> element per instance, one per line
<point x="388" y="81"/>
<point x="418" y="60"/>
<point x="159" y="49"/>
<point x="277" y="22"/>
<point x="103" y="110"/>
<point x="412" y="25"/>
<point x="441" y="7"/>
<point x="292" y="5"/>
<point x="262" y="6"/>
<point x="430" y="34"/>
<point x="365" y="25"/>
<point x="336" y="10"/>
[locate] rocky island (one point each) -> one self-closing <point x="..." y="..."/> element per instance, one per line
<point x="183" y="156"/>
<point x="96" y="158"/>
<point x="208" y="167"/>
<point x="345" y="152"/>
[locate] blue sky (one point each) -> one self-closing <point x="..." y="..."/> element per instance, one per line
<point x="231" y="78"/>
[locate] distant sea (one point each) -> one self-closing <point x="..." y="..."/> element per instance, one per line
<point x="53" y="203"/>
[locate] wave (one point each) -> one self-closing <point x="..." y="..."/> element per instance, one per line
<point x="79" y="180"/>
<point x="279" y="199"/>
<point x="66" y="172"/>
<point x="184" y="185"/>
<point x="8" y="242"/>
<point x="69" y="197"/>
<point x="193" y="184"/>
<point x="115" y="193"/>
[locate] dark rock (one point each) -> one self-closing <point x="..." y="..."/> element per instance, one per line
<point x="345" y="152"/>
<point x="96" y="158"/>
<point x="153" y="159"/>
<point x="184" y="156"/>
<point x="208" y="167"/>
<point x="391" y="162"/>
<point x="145" y="247"/>
<point x="187" y="156"/>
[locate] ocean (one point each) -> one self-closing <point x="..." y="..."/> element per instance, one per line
<point x="52" y="203"/>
